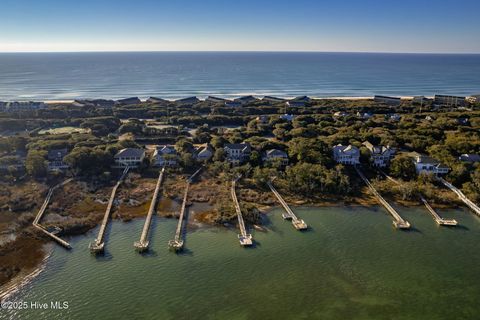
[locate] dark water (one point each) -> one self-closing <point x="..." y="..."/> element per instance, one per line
<point x="50" y="76"/>
<point x="352" y="264"/>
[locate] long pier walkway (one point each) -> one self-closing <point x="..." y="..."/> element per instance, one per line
<point x="36" y="221"/>
<point x="398" y="222"/>
<point x="438" y="219"/>
<point x="244" y="237"/>
<point x="462" y="196"/>
<point x="142" y="244"/>
<point x="299" y="224"/>
<point x="98" y="245"/>
<point x="176" y="244"/>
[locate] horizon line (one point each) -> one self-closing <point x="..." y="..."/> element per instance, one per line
<point x="240" y="51"/>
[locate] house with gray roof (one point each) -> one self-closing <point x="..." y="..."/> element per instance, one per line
<point x="276" y="155"/>
<point x="203" y="153"/>
<point x="128" y="101"/>
<point x="237" y="153"/>
<point x="426" y="164"/>
<point x="346" y="154"/>
<point x="129" y="157"/>
<point x="55" y="160"/>
<point x="165" y="155"/>
<point x="380" y="156"/>
<point x="469" y="157"/>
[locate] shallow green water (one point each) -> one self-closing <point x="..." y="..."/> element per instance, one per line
<point x="351" y="264"/>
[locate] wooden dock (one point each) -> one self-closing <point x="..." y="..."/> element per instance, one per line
<point x="461" y="196"/>
<point x="36" y="221"/>
<point x="142" y="244"/>
<point x="398" y="221"/>
<point x="176" y="244"/>
<point x="98" y="245"/>
<point x="299" y="224"/>
<point x="438" y="219"/>
<point x="244" y="237"/>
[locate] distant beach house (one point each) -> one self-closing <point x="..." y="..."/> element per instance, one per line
<point x="420" y="100"/>
<point x="215" y="100"/>
<point x="429" y="118"/>
<point x="391" y="101"/>
<point x="97" y="103"/>
<point x="463" y="121"/>
<point x="23" y="106"/>
<point x="346" y="154"/>
<point x="287" y="117"/>
<point x="165" y="155"/>
<point x="187" y="101"/>
<point x="245" y="100"/>
<point x="233" y="104"/>
<point x="203" y="153"/>
<point x="469" y="157"/>
<point x="340" y="114"/>
<point x="156" y="100"/>
<point x="379" y="155"/>
<point x="275" y="155"/>
<point x="272" y="100"/>
<point x="129" y="157"/>
<point x="425" y="164"/>
<point x="393" y="117"/>
<point x="298" y="102"/>
<point x="55" y="160"/>
<point x="237" y="153"/>
<point x="449" y="101"/>
<point x="128" y="101"/>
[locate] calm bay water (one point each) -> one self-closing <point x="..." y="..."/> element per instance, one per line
<point x="50" y="76"/>
<point x="352" y="264"/>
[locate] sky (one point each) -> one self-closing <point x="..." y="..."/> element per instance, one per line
<point x="435" y="26"/>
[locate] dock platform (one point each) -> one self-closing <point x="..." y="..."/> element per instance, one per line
<point x="98" y="245"/>
<point x="297" y="223"/>
<point x="398" y="221"/>
<point x="142" y="244"/>
<point x="244" y="238"/>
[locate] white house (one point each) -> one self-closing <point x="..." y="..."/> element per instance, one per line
<point x="364" y="115"/>
<point x="449" y="101"/>
<point x="204" y="153"/>
<point x="379" y="155"/>
<point x="165" y="155"/>
<point x="393" y="117"/>
<point x="237" y="153"/>
<point x="276" y="155"/>
<point x="129" y="157"/>
<point x="55" y="160"/>
<point x="340" y="114"/>
<point x="23" y="106"/>
<point x="425" y="164"/>
<point x="346" y="154"/>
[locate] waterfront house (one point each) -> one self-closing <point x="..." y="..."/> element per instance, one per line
<point x="391" y="101"/>
<point x="203" y="153"/>
<point x="237" y="153"/>
<point x="425" y="164"/>
<point x="469" y="157"/>
<point x="287" y="117"/>
<point x="379" y="155"/>
<point x="275" y="155"/>
<point x="298" y="102"/>
<point x="55" y="160"/>
<point x="449" y="101"/>
<point x="165" y="155"/>
<point x="187" y="101"/>
<point x="129" y="157"/>
<point x="346" y="154"/>
<point x="128" y="101"/>
<point x="245" y="100"/>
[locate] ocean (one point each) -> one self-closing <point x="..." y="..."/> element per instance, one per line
<point x="66" y="76"/>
